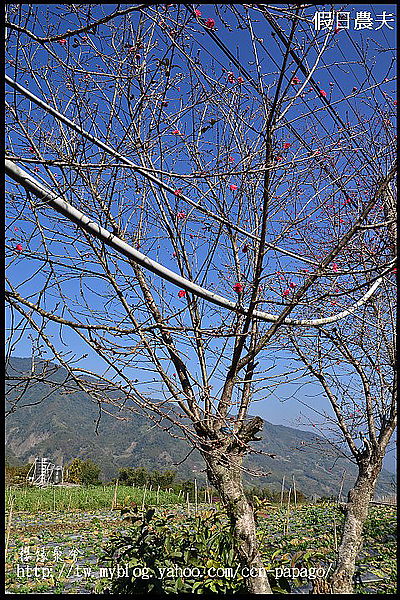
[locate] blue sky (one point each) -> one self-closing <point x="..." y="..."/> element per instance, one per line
<point x="332" y="76"/>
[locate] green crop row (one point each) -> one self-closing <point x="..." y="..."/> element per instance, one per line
<point x="35" y="499"/>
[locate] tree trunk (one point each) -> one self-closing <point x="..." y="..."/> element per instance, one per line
<point x="356" y="513"/>
<point x="225" y="474"/>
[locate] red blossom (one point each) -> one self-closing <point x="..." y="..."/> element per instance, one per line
<point x="180" y="215"/>
<point x="286" y="293"/>
<point x="231" y="77"/>
<point x="178" y="192"/>
<point x="292" y="285"/>
<point x="233" y="187"/>
<point x="181" y="293"/>
<point x="19" y="247"/>
<point x="176" y="132"/>
<point x="197" y="12"/>
<point x="238" y="288"/>
<point x="62" y="42"/>
<point x="323" y="93"/>
<point x="395" y="103"/>
<point x="335" y="267"/>
<point x="295" y="80"/>
<point x="231" y="159"/>
<point x="286" y="145"/>
<point x="209" y="23"/>
<point x="240" y="80"/>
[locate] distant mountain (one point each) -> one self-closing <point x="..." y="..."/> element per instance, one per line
<point x="59" y="422"/>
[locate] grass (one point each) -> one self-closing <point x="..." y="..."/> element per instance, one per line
<point x="35" y="499"/>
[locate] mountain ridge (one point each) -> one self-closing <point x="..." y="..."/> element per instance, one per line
<point x="61" y="430"/>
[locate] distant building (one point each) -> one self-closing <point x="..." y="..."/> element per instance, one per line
<point x="43" y="472"/>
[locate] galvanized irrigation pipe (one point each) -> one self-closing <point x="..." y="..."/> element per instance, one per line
<point x="63" y="207"/>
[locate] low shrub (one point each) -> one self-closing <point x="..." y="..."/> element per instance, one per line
<point x="162" y="554"/>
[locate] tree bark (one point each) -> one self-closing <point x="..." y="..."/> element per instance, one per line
<point x="225" y="474"/>
<point x="356" y="513"/>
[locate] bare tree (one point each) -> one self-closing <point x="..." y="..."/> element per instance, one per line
<point x="354" y="361"/>
<point x="177" y="213"/>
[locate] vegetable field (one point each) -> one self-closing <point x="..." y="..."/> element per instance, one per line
<point x="60" y="551"/>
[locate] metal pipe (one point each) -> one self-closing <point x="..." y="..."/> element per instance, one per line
<point x="76" y="216"/>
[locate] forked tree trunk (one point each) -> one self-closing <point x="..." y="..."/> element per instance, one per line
<point x="356" y="513"/>
<point x="226" y="476"/>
